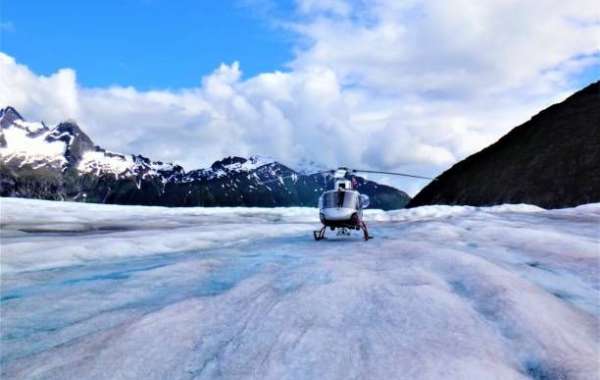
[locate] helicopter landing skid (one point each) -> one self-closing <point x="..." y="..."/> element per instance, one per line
<point x="363" y="227"/>
<point x="320" y="234"/>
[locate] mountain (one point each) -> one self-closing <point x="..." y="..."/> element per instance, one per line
<point x="552" y="160"/>
<point x="63" y="163"/>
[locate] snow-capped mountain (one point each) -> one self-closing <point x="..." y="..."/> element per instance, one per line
<point x="30" y="143"/>
<point x="66" y="147"/>
<point x="62" y="162"/>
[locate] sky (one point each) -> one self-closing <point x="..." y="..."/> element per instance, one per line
<point x="406" y="85"/>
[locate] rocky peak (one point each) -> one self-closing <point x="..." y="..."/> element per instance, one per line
<point x="8" y="115"/>
<point x="76" y="140"/>
<point x="227" y="161"/>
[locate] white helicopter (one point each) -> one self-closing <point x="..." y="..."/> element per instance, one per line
<point x="341" y="207"/>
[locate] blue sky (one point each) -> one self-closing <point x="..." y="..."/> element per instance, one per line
<point x="588" y="75"/>
<point x="143" y="43"/>
<point x="411" y="86"/>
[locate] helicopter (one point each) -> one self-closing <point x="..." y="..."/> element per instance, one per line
<point x="341" y="207"/>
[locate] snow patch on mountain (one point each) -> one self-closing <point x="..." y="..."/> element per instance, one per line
<point x="159" y="166"/>
<point x="255" y="166"/>
<point x="24" y="144"/>
<point x="99" y="163"/>
<point x="103" y="162"/>
<point x="252" y="163"/>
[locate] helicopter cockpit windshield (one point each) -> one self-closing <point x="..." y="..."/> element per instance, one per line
<point x="341" y="199"/>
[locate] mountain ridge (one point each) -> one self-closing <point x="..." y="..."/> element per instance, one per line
<point x="63" y="163"/>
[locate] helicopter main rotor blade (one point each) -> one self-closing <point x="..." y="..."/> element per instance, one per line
<point x="391" y="173"/>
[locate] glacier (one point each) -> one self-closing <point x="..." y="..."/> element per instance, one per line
<point x="128" y="292"/>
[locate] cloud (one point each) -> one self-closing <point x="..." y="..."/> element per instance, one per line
<point x="457" y="48"/>
<point x="286" y="115"/>
<point x="396" y="85"/>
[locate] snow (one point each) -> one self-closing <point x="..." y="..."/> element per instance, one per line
<point x="249" y="165"/>
<point x="97" y="162"/>
<point x="252" y="163"/>
<point x="32" y="143"/>
<point x="162" y="166"/>
<point x="109" y="292"/>
<point x="119" y="165"/>
<point x="31" y="149"/>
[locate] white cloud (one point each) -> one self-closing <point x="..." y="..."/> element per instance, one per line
<point x="457" y="47"/>
<point x="386" y="84"/>
<point x="286" y="115"/>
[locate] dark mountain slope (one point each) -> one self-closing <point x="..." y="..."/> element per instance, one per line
<point x="552" y="161"/>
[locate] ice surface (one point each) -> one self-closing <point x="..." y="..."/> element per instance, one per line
<point x="110" y="292"/>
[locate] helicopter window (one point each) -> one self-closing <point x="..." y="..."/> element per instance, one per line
<point x="333" y="199"/>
